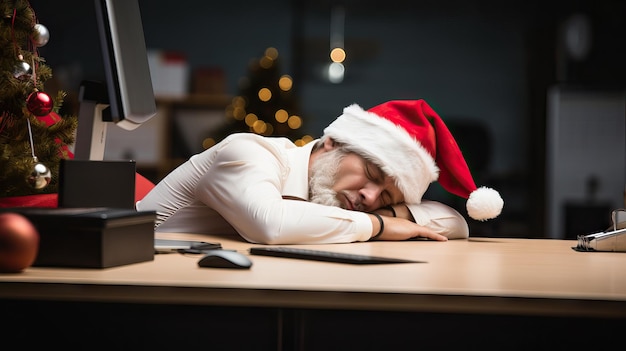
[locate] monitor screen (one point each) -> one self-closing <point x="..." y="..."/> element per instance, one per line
<point x="125" y="62"/>
<point x="126" y="96"/>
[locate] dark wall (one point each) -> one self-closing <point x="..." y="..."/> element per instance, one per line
<point x="485" y="61"/>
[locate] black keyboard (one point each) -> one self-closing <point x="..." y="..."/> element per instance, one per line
<point x="328" y="256"/>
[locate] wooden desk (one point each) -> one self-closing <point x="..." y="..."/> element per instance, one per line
<point x="533" y="291"/>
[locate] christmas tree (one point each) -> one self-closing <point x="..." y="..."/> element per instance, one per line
<point x="266" y="104"/>
<point x="33" y="137"/>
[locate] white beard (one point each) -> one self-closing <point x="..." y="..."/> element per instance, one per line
<point x="323" y="173"/>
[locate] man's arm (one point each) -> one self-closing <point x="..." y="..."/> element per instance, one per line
<point x="244" y="185"/>
<point x="430" y="219"/>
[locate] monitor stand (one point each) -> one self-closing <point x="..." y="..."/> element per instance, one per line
<point x="92" y="122"/>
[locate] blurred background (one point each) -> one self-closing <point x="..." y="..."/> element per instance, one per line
<point x="534" y="91"/>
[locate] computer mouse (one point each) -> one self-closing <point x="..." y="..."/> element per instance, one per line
<point x="224" y="259"/>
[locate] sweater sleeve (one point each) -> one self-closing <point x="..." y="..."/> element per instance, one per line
<point x="440" y="218"/>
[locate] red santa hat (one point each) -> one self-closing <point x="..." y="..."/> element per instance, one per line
<point x="412" y="144"/>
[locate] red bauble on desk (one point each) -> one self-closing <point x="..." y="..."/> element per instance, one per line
<point x="19" y="243"/>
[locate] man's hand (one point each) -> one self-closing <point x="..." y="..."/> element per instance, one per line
<point x="400" y="225"/>
<point x="398" y="229"/>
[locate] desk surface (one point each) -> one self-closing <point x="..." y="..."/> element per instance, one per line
<point x="479" y="275"/>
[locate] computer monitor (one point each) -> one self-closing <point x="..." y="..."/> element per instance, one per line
<point x="126" y="97"/>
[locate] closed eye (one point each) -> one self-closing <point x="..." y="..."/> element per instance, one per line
<point x="376" y="175"/>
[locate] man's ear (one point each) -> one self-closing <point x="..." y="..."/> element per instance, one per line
<point x="329" y="144"/>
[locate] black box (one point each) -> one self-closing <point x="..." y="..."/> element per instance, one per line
<point x="97" y="184"/>
<point x="91" y="237"/>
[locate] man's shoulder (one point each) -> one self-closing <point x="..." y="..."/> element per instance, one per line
<point x="252" y="138"/>
<point x="238" y="145"/>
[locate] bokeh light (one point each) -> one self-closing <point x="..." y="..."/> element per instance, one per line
<point x="294" y="122"/>
<point x="285" y="83"/>
<point x="281" y="116"/>
<point x="266" y="62"/>
<point x="259" y="127"/>
<point x="272" y="53"/>
<point x="239" y="113"/>
<point x="338" y="55"/>
<point x="250" y="119"/>
<point x="208" y="142"/>
<point x="304" y="140"/>
<point x="336" y="72"/>
<point x="265" y="94"/>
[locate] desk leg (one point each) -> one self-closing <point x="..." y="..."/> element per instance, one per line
<point x="290" y="330"/>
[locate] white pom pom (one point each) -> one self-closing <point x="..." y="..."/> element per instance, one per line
<point x="484" y="203"/>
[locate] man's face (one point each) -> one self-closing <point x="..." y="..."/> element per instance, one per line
<point x="347" y="180"/>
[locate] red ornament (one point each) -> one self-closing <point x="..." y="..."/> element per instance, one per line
<point x="19" y="242"/>
<point x="49" y="119"/>
<point x="39" y="103"/>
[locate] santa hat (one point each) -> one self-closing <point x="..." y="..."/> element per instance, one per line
<point x="410" y="142"/>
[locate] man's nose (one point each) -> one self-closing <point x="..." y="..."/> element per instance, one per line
<point x="370" y="194"/>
